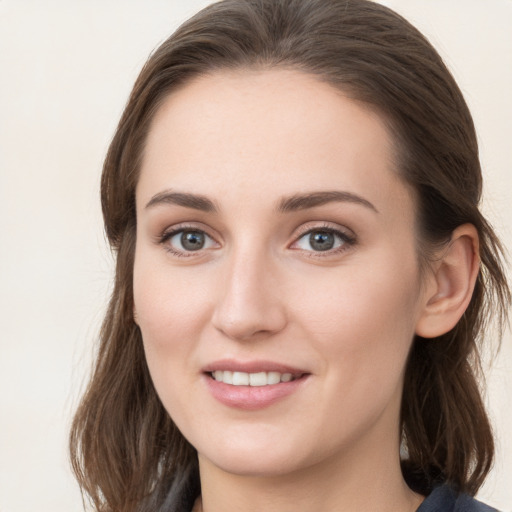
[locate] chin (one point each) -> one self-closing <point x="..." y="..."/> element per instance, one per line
<point x="254" y="465"/>
<point x="267" y="458"/>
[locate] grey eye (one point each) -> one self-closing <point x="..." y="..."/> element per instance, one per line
<point x="321" y="240"/>
<point x="192" y="240"/>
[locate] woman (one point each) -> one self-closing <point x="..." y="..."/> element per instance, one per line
<point x="303" y="275"/>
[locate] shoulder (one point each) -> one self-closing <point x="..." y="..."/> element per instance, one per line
<point x="466" y="503"/>
<point x="445" y="499"/>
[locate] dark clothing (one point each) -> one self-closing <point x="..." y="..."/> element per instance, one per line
<point x="441" y="499"/>
<point x="444" y="499"/>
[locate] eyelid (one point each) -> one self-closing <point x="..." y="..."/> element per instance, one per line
<point x="171" y="231"/>
<point x="347" y="236"/>
<point x="186" y="226"/>
<point x="309" y="227"/>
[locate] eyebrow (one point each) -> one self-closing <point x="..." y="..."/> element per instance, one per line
<point x="194" y="201"/>
<point x="287" y="204"/>
<point x="311" y="200"/>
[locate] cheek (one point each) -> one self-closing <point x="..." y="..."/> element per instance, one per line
<point x="363" y="319"/>
<point x="168" y="304"/>
<point x="169" y="312"/>
<point x="363" y="333"/>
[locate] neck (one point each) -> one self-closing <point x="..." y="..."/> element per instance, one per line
<point x="369" y="482"/>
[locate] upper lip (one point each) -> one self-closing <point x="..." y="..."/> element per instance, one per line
<point x="252" y="367"/>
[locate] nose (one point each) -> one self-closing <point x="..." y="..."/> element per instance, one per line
<point x="249" y="304"/>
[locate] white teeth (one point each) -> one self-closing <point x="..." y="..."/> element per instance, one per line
<point x="251" y="379"/>
<point x="258" y="379"/>
<point x="240" y="379"/>
<point x="273" y="378"/>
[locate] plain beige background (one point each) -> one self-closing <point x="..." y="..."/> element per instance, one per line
<point x="66" y="68"/>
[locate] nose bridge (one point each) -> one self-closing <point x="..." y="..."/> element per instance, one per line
<point x="248" y="301"/>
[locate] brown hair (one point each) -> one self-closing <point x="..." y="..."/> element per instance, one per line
<point x="125" y="449"/>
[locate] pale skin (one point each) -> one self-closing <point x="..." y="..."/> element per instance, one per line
<point x="226" y="157"/>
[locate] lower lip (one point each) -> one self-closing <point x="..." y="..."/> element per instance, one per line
<point x="252" y="398"/>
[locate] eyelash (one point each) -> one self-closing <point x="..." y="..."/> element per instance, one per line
<point x="347" y="240"/>
<point x="168" y="235"/>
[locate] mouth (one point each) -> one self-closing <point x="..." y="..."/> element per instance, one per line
<point x="257" y="379"/>
<point x="252" y="385"/>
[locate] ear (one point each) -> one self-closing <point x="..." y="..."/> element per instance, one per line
<point x="450" y="286"/>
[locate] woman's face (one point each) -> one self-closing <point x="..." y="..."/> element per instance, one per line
<point x="275" y="238"/>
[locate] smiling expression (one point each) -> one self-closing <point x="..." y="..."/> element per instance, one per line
<point x="276" y="278"/>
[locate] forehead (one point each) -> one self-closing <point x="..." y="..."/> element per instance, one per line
<point x="232" y="131"/>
